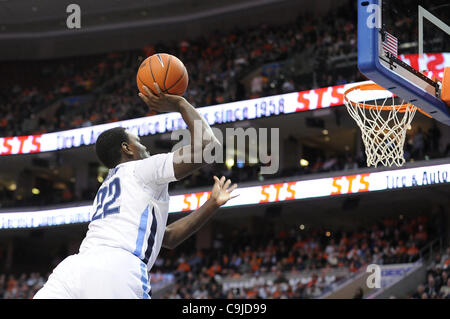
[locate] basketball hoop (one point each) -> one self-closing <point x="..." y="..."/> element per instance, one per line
<point x="383" y="122"/>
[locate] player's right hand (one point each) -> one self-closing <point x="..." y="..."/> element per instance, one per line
<point x="160" y="102"/>
<point x="221" y="191"/>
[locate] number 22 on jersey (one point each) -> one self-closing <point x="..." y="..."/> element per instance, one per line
<point x="107" y="200"/>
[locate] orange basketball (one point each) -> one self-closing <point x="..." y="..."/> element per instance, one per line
<point x="166" y="70"/>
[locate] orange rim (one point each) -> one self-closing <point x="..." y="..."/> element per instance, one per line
<point x="402" y="108"/>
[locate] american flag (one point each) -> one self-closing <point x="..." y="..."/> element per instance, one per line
<point x="390" y="43"/>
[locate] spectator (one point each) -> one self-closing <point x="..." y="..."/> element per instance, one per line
<point x="257" y="85"/>
<point x="413" y="251"/>
<point x="183" y="266"/>
<point x="418" y="144"/>
<point x="288" y="86"/>
<point x="280" y="278"/>
<point x="444" y="292"/>
<point x="359" y="294"/>
<point x="431" y="289"/>
<point x="329" y="164"/>
<point x="434" y="135"/>
<point x="445" y="259"/>
<point x="350" y="164"/>
<point x="420" y="291"/>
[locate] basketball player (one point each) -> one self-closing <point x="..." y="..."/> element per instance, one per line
<point x="129" y="213"/>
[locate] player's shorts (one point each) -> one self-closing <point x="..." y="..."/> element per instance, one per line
<point x="98" y="273"/>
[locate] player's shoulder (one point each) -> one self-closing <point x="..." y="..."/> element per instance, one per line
<point x="120" y="170"/>
<point x="155" y="161"/>
<point x="151" y="161"/>
<point x="160" y="157"/>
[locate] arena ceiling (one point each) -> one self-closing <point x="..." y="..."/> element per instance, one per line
<point x="46" y="15"/>
<point x="40" y="16"/>
<point x="36" y="29"/>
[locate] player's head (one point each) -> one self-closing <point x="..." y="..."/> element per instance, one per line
<point x="117" y="145"/>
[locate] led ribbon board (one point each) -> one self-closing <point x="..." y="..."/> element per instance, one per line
<point x="255" y="195"/>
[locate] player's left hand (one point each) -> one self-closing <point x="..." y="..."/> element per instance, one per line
<point x="221" y="191"/>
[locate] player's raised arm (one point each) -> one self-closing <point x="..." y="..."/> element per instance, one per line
<point x="188" y="158"/>
<point x="182" y="229"/>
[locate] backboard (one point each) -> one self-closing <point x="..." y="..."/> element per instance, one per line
<point x="419" y="31"/>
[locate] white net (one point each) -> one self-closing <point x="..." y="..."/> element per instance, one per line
<point x="383" y="123"/>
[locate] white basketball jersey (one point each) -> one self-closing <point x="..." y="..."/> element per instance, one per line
<point x="131" y="207"/>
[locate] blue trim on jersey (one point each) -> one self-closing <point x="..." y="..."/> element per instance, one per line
<point x="139" y="245"/>
<point x="144" y="279"/>
<point x="151" y="237"/>
<point x="141" y="233"/>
